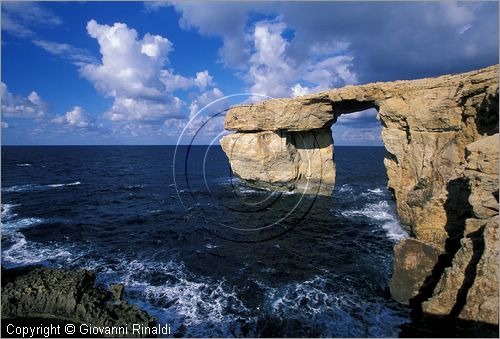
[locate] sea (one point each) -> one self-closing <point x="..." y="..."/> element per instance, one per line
<point x="199" y="249"/>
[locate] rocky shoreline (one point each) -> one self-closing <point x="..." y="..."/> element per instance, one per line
<point x="37" y="295"/>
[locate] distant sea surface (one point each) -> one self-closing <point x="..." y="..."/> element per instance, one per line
<point x="200" y="250"/>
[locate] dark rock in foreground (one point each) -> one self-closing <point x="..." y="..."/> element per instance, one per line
<point x="67" y="296"/>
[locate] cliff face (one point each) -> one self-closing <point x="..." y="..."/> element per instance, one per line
<point x="436" y="170"/>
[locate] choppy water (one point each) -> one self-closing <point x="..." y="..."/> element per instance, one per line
<point x="293" y="266"/>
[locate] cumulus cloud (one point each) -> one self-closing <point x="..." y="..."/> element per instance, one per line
<point x="74" y="118"/>
<point x="226" y="20"/>
<point x="305" y="48"/>
<point x="206" y="98"/>
<point x="132" y="72"/>
<point x="387" y="41"/>
<point x="273" y="72"/>
<point x="16" y="106"/>
<point x="20" y="17"/>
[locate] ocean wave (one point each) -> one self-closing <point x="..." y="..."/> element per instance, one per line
<point x="21" y="223"/>
<point x="382" y="212"/>
<point x="345" y="188"/>
<point x="7" y="211"/>
<point x="379" y="211"/>
<point x="36" y="187"/>
<point x="206" y="306"/>
<point x="335" y="314"/>
<point x="24" y="165"/>
<point x="394" y="230"/>
<point x="373" y="192"/>
<point x="23" y="253"/>
<point x="135" y="187"/>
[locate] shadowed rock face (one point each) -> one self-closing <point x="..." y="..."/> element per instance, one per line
<point x="427" y="125"/>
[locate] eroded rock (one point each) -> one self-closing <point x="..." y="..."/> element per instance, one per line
<point x="70" y="295"/>
<point x="283" y="160"/>
<point x="469" y="287"/>
<point x="449" y="201"/>
<point x="414" y="262"/>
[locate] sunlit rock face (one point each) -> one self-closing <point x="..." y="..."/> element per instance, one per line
<point x="428" y="129"/>
<point x="283" y="160"/>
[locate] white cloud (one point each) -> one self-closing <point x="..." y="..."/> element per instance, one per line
<point x="17" y="106"/>
<point x="454" y="14"/>
<point x="20" y="17"/>
<point x="147" y="111"/>
<point x="331" y="72"/>
<point x="78" y="56"/>
<point x="366" y="115"/>
<point x="208" y="98"/>
<point x="133" y="73"/>
<point x="203" y="79"/>
<point x="226" y="20"/>
<point x="155" y="5"/>
<point x="74" y="118"/>
<point x="175" y="82"/>
<point x="4" y="124"/>
<point x="273" y="72"/>
<point x="361" y="135"/>
<point x="299" y="90"/>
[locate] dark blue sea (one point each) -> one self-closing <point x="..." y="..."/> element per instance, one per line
<point x="201" y="251"/>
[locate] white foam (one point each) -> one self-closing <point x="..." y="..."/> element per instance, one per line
<point x="345" y="188"/>
<point x="36" y="187"/>
<point x="202" y="306"/>
<point x="394" y="230"/>
<point x="24" y="253"/>
<point x="373" y="192"/>
<point x="135" y="187"/>
<point x="308" y="299"/>
<point x="20" y="223"/>
<point x="7" y="211"/>
<point x="24" y="165"/>
<point x="381" y="211"/>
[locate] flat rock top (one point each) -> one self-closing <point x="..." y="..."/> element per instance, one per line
<point x="319" y="110"/>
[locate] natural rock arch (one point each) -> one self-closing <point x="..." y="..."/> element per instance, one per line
<point x="427" y="125"/>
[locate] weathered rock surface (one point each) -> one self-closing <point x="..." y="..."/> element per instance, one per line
<point x="445" y="198"/>
<point x="46" y="293"/>
<point x="468" y="287"/>
<point x="414" y="261"/>
<point x="426" y="125"/>
<point x="284" y="160"/>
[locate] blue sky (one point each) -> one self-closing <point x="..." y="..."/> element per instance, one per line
<point x="139" y="73"/>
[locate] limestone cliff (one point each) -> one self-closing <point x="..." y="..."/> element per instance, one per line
<point x="427" y="126"/>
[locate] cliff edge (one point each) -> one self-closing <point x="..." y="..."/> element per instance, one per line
<point x="441" y="137"/>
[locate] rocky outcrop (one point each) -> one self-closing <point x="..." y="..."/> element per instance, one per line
<point x="66" y="295"/>
<point x="427" y="124"/>
<point x="475" y="265"/>
<point x="292" y="161"/>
